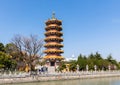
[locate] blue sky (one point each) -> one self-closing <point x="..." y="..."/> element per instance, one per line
<point x="89" y="26"/>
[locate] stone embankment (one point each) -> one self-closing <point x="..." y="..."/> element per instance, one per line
<point x="56" y="76"/>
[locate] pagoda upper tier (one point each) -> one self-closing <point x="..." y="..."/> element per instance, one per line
<point x="53" y="32"/>
<point x="53" y="26"/>
<point x="53" y="21"/>
<point x="53" y="44"/>
<point x="53" y="38"/>
<point x="53" y="51"/>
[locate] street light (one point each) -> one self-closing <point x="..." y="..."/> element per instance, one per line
<point x="87" y="67"/>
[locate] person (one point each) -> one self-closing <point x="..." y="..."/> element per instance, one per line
<point x="39" y="70"/>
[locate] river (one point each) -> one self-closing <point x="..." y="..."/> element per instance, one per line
<point x="97" y="81"/>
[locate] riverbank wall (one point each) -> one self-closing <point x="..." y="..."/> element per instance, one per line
<point x="58" y="76"/>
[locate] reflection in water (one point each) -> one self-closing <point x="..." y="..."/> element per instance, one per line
<point x="97" y="81"/>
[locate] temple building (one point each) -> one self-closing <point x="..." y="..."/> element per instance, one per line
<point x="53" y="41"/>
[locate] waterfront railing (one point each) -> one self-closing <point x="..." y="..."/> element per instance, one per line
<point x="80" y="73"/>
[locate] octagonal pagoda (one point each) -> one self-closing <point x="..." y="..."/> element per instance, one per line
<point x="53" y="39"/>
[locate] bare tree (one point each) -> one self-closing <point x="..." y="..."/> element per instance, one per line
<point x="29" y="49"/>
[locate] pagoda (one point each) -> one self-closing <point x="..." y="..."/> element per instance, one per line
<point x="53" y="41"/>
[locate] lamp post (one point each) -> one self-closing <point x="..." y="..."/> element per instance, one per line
<point x="95" y="67"/>
<point x="109" y="67"/>
<point x="87" y="67"/>
<point x="77" y="68"/>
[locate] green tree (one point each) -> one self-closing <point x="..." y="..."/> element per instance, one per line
<point x="73" y="65"/>
<point x="61" y="67"/>
<point x="2" y="47"/>
<point x="98" y="56"/>
<point x="96" y="59"/>
<point x="90" y="63"/>
<point x="10" y="48"/>
<point x="82" y="62"/>
<point x="109" y="58"/>
<point x="5" y="61"/>
<point x="118" y="65"/>
<point x="112" y="61"/>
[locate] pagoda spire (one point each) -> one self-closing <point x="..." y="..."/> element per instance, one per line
<point x="53" y="15"/>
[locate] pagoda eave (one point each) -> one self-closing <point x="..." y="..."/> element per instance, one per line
<point x="53" y="33"/>
<point x="53" y="45"/>
<point x="53" y="21"/>
<point x="53" y="27"/>
<point x="53" y="57"/>
<point x="56" y="39"/>
<point x="53" y="51"/>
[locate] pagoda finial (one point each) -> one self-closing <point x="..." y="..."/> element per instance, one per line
<point x="53" y="15"/>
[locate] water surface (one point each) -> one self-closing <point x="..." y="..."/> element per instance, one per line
<point x="97" y="81"/>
